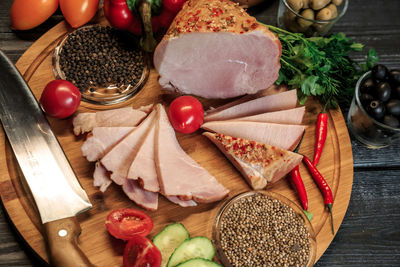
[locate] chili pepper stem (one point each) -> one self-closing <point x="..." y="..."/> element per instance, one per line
<point x="330" y="211"/>
<point x="308" y="214"/>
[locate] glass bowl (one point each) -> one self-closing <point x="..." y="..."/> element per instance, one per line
<point x="224" y="218"/>
<point x="294" y="18"/>
<point x="365" y="128"/>
<point x="107" y="93"/>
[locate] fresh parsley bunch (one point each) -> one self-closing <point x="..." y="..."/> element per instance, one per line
<point x="320" y="66"/>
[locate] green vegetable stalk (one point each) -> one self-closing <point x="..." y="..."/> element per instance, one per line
<point x="320" y="66"/>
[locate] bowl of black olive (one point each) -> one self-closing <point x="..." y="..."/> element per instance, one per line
<point x="374" y="115"/>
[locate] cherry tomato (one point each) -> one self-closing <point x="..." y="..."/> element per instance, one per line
<point x="186" y="114"/>
<point x="173" y="5"/>
<point x="141" y="252"/>
<point x="78" y="12"/>
<point x="27" y="15"/>
<point x="60" y="98"/>
<point x="126" y="223"/>
<point x="165" y="18"/>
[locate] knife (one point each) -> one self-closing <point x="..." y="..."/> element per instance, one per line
<point x="57" y="193"/>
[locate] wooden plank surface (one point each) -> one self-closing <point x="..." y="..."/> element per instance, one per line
<point x="363" y="239"/>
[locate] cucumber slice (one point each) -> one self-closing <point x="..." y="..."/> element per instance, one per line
<point x="198" y="262"/>
<point x="196" y="247"/>
<point x="169" y="239"/>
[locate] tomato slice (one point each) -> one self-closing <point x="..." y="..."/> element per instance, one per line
<point x="127" y="223"/>
<point x="141" y="252"/>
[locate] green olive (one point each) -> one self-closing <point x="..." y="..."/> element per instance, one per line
<point x="337" y="2"/>
<point x="308" y="14"/>
<point x="333" y="8"/>
<point x="319" y="4"/>
<point x="324" y="14"/>
<point x="296" y="5"/>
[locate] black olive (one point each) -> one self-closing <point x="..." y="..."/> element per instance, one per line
<point x="393" y="107"/>
<point x="379" y="72"/>
<point x="383" y="91"/>
<point x="396" y="91"/>
<point x="366" y="99"/>
<point x="376" y="109"/>
<point x="391" y="121"/>
<point x="394" y="77"/>
<point x="367" y="86"/>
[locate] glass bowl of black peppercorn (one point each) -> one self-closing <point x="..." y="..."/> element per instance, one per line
<point x="374" y="115"/>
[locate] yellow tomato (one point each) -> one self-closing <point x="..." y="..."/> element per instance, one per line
<point x="27" y="14"/>
<point x="78" y="12"/>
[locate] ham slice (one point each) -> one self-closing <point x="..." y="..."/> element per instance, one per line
<point x="101" y="177"/>
<point x="259" y="163"/>
<point x="178" y="174"/>
<point x="284" y="136"/>
<point x="127" y="116"/>
<point x="143" y="198"/>
<point x="289" y="116"/>
<point x="269" y="103"/>
<point x="101" y="140"/>
<point x="120" y="157"/>
<point x="206" y="52"/>
<point x="180" y="202"/>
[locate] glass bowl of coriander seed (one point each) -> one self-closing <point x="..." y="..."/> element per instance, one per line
<point x="263" y="228"/>
<point x="310" y="17"/>
<point x="106" y="64"/>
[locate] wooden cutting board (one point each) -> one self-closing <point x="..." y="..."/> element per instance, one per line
<point x="103" y="250"/>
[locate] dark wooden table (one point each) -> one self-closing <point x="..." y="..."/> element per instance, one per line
<point x="370" y="232"/>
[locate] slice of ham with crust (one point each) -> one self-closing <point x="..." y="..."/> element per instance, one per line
<point x="101" y="140"/>
<point x="127" y="116"/>
<point x="120" y="157"/>
<point x="284" y="136"/>
<point x="101" y="178"/>
<point x="289" y="116"/>
<point x="179" y="175"/>
<point x="269" y="103"/>
<point x="259" y="163"/>
<point x="143" y="198"/>
<point x="211" y="57"/>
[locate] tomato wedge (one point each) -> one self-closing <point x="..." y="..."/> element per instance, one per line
<point x="141" y="252"/>
<point x="127" y="223"/>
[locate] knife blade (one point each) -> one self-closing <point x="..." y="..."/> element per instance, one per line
<point x="57" y="192"/>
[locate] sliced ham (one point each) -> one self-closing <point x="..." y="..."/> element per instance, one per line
<point x="211" y="57"/>
<point x="101" y="140"/>
<point x="284" y="136"/>
<point x="120" y="157"/>
<point x="127" y="116"/>
<point x="259" y="163"/>
<point x="180" y="202"/>
<point x="289" y="116"/>
<point x="143" y="168"/>
<point x="101" y="178"/>
<point x="143" y="198"/>
<point x="179" y="175"/>
<point x="269" y="103"/>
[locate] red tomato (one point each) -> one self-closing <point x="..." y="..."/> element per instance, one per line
<point x="78" y="12"/>
<point x="186" y="114"/>
<point x="173" y="5"/>
<point x="165" y="18"/>
<point x="126" y="223"/>
<point x="60" y="98"/>
<point x="27" y="15"/>
<point x="141" y="252"/>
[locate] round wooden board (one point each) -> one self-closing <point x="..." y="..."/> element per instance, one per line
<point x="36" y="65"/>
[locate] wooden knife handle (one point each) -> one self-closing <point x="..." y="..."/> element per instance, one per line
<point x="62" y="240"/>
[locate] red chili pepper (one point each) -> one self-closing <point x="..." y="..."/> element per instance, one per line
<point x="321" y="132"/>
<point x="296" y="180"/>
<point x="322" y="185"/>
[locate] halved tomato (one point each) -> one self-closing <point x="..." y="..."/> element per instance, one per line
<point x="141" y="252"/>
<point x="127" y="223"/>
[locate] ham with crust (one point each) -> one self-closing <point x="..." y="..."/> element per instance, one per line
<point x="214" y="49"/>
<point x="127" y="116"/>
<point x="269" y="103"/>
<point x="179" y="175"/>
<point x="260" y="164"/>
<point x="284" y="136"/>
<point x="288" y="116"/>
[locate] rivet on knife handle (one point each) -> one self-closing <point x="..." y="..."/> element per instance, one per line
<point x="62" y="236"/>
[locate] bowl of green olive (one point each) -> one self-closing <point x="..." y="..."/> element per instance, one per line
<point x="310" y="17"/>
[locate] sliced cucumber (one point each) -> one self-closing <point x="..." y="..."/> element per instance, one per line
<point x="196" y="247"/>
<point x="169" y="239"/>
<point x="198" y="262"/>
